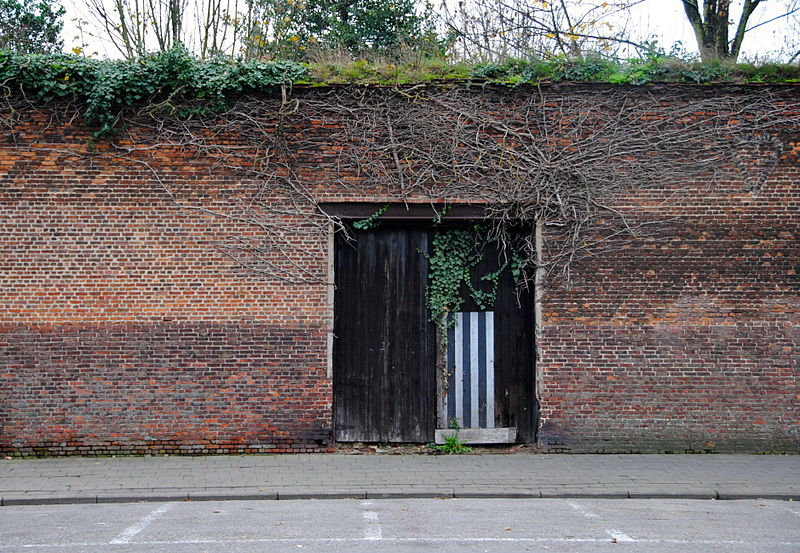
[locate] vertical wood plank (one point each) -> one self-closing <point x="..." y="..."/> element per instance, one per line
<point x="458" y="380"/>
<point x="470" y="357"/>
<point x="490" y="413"/>
<point x="515" y="400"/>
<point x="451" y="386"/>
<point x="482" y="390"/>
<point x="474" y="369"/>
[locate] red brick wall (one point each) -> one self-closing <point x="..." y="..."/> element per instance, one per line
<point x="125" y="328"/>
<point x="690" y="343"/>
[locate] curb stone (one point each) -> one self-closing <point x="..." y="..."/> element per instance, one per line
<point x="360" y="495"/>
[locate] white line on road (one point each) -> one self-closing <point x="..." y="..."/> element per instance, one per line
<point x="615" y="534"/>
<point x="761" y="544"/>
<point x="134" y="529"/>
<point x="372" y="530"/>
<point x="620" y="536"/>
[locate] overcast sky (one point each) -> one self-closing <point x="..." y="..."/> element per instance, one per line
<point x="662" y="19"/>
<point x="667" y="20"/>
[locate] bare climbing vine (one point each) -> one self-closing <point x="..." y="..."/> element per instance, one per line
<point x="566" y="159"/>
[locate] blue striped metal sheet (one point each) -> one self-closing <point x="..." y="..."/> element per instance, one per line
<point x="470" y="367"/>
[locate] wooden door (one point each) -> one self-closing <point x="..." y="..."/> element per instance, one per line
<point x="384" y="352"/>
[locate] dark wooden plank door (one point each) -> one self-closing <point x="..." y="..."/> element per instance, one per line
<point x="384" y="351"/>
<point x="515" y="360"/>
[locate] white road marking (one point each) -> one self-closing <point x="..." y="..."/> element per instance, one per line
<point x="761" y="544"/>
<point x="372" y="530"/>
<point x="620" y="536"/>
<point x="134" y="529"/>
<point x="615" y="534"/>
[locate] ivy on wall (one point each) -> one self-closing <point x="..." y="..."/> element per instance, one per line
<point x="449" y="265"/>
<point x="173" y="81"/>
<point x="456" y="252"/>
<point x="179" y="83"/>
<point x="372" y="220"/>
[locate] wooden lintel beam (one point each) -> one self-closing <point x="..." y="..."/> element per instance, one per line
<point x="362" y="210"/>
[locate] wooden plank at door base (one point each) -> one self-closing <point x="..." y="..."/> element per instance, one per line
<point x="479" y="435"/>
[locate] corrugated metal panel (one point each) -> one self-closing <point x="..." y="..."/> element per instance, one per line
<point x="470" y="367"/>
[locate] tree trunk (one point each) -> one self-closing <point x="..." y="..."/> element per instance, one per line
<point x="710" y="25"/>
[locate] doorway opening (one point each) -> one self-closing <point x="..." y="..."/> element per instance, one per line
<point x="400" y="378"/>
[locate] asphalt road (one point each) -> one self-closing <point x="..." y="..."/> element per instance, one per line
<point x="394" y="525"/>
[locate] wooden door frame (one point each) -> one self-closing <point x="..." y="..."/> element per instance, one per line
<point x="424" y="215"/>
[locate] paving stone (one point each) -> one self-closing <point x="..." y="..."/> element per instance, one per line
<point x="300" y="476"/>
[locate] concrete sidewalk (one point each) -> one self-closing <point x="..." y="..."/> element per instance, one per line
<point x="126" y="479"/>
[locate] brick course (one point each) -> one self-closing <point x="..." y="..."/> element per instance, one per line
<point x="124" y="327"/>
